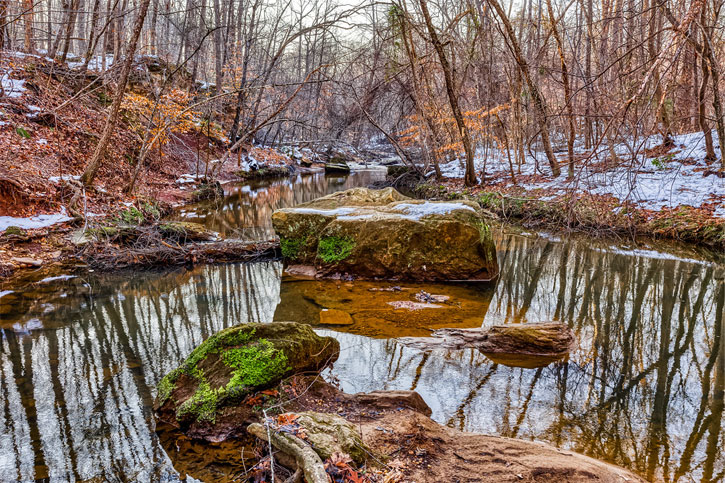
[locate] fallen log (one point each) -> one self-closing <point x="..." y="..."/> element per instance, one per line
<point x="105" y="256"/>
<point x="549" y="340"/>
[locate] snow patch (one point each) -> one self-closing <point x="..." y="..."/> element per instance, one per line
<point x="189" y="178"/>
<point x="667" y="181"/>
<point x="33" y="222"/>
<point x="60" y="179"/>
<point x="13" y="88"/>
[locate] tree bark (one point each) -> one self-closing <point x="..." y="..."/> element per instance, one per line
<point x="567" y="90"/>
<point x="92" y="168"/>
<point x="470" y="178"/>
<point x="28" y="24"/>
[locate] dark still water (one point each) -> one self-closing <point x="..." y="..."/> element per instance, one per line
<point x="80" y="357"/>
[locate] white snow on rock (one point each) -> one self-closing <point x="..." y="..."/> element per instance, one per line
<point x="667" y="181"/>
<point x="345" y="210"/>
<point x="33" y="222"/>
<point x="96" y="62"/>
<point x="419" y="210"/>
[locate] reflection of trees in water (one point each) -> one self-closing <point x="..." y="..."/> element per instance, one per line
<point x="645" y="388"/>
<point x="76" y="400"/>
<point x="246" y="211"/>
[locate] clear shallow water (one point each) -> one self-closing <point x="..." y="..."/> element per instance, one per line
<point x="80" y="357"/>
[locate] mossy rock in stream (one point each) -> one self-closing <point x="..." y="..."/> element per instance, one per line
<point x="381" y="234"/>
<point x="204" y="396"/>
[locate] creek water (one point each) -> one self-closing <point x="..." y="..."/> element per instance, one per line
<point x="80" y="357"/>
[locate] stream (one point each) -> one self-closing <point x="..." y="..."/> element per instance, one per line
<point x="80" y="356"/>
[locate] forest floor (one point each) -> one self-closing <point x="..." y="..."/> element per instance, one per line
<point x="50" y="121"/>
<point x="654" y="190"/>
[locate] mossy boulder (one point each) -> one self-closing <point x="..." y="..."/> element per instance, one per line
<point x="205" y="396"/>
<point x="383" y="235"/>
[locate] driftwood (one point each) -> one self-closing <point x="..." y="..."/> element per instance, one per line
<point x="107" y="256"/>
<point x="547" y="339"/>
<point x="304" y="455"/>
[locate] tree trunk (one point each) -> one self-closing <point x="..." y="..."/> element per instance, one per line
<point x="28" y="24"/>
<point x="92" y="167"/>
<point x="701" y="106"/>
<point x="3" y="27"/>
<point x="72" y="14"/>
<point x="539" y="102"/>
<point x="470" y="178"/>
<point x="567" y="90"/>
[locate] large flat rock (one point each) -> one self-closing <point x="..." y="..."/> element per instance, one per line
<point x="383" y="235"/>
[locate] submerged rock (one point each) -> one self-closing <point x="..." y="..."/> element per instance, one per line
<point x="335" y="317"/>
<point x="204" y="396"/>
<point x="381" y="234"/>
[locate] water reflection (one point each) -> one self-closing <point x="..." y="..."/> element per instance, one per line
<point x="645" y="388"/>
<point x="246" y="211"/>
<point x="77" y="393"/>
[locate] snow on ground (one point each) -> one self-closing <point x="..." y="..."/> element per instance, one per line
<point x="60" y="179"/>
<point x="189" y="178"/>
<point x="667" y="181"/>
<point x="33" y="222"/>
<point x="12" y="87"/>
<point x="96" y="62"/>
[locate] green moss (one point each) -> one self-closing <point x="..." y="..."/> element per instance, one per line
<point x="333" y="249"/>
<point x="253" y="365"/>
<point x="202" y="404"/>
<point x="167" y="385"/>
<point x="291" y="246"/>
<point x="14" y="230"/>
<point x="213" y="344"/>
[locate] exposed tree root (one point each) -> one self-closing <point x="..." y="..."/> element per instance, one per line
<point x="304" y="455"/>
